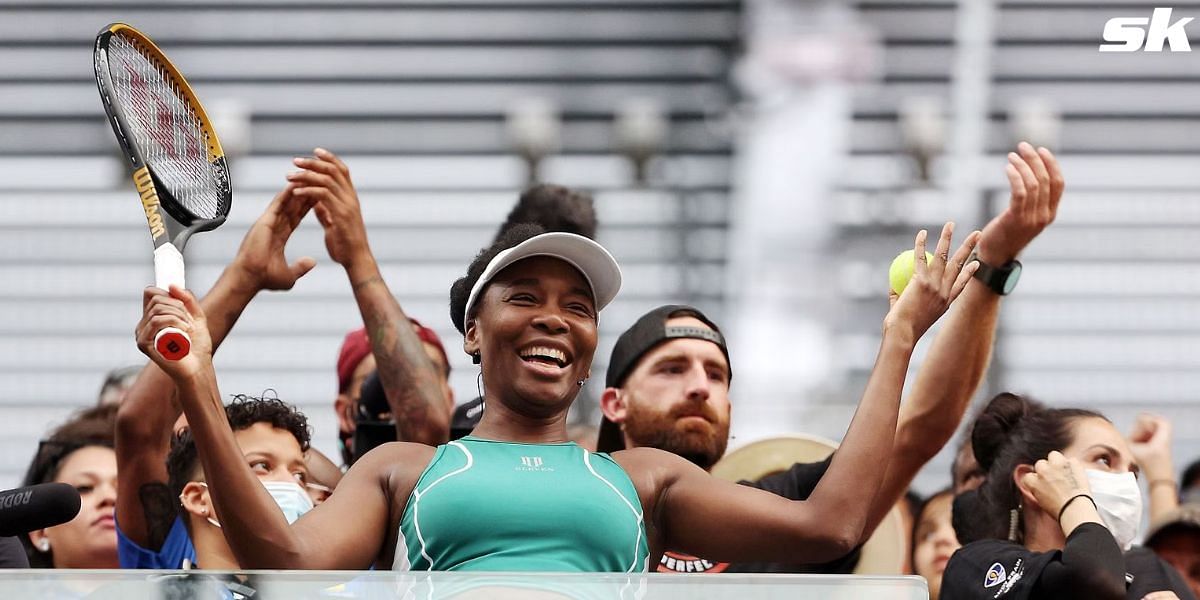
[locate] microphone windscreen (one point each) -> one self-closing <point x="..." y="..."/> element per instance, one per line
<point x="37" y="506"/>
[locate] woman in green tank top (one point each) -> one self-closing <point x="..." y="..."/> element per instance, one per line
<point x="515" y="495"/>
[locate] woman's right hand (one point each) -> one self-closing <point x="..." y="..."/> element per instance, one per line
<point x="180" y="309"/>
<point x="933" y="286"/>
<point x="1055" y="480"/>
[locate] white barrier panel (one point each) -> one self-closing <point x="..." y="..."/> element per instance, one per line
<point x="151" y="585"/>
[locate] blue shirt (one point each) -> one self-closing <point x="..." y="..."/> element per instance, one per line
<point x="175" y="548"/>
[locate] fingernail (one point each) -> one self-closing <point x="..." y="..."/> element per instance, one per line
<point x="321" y="151"/>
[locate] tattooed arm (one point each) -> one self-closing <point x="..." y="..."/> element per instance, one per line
<point x="145" y="509"/>
<point x="409" y="378"/>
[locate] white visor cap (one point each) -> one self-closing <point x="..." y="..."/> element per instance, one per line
<point x="598" y="267"/>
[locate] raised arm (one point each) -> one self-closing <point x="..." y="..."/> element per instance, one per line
<point x="410" y="380"/>
<point x="727" y="522"/>
<point x="1150" y="443"/>
<point x="145" y="509"/>
<point x="959" y="355"/>
<point x="345" y="532"/>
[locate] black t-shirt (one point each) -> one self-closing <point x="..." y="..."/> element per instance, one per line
<point x="796" y="483"/>
<point x="12" y="554"/>
<point x="1089" y="567"/>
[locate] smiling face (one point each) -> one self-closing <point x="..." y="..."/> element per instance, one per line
<point x="89" y="541"/>
<point x="535" y="333"/>
<point x="677" y="398"/>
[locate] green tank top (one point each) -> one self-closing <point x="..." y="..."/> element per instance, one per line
<point x="485" y="505"/>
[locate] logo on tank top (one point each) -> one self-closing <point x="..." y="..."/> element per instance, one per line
<point x="678" y="562"/>
<point x="532" y="463"/>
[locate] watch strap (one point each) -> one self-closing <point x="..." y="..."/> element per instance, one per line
<point x="993" y="276"/>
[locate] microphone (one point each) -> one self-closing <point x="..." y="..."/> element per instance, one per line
<point x="37" y="506"/>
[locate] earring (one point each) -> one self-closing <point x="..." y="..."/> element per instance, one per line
<point x="1014" y="520"/>
<point x="476" y="358"/>
<point x="581" y="382"/>
<point x="44" y="545"/>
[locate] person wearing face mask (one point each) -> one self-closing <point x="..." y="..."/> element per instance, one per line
<point x="1057" y="509"/>
<point x="273" y="438"/>
<point x="146" y="507"/>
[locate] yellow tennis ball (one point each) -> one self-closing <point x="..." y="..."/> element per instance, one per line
<point x="902" y="269"/>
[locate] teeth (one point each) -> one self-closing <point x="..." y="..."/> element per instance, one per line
<point x="543" y="352"/>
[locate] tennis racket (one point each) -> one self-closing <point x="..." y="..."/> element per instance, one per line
<point x="178" y="166"/>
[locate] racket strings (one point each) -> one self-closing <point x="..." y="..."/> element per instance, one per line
<point x="166" y="127"/>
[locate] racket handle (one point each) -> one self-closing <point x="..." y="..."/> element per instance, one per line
<point x="172" y="343"/>
<point x="168" y="267"/>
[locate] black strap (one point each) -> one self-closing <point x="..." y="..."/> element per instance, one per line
<point x="1072" y="499"/>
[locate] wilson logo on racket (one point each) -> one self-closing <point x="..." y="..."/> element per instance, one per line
<point x="145" y="188"/>
<point x="178" y="166"/>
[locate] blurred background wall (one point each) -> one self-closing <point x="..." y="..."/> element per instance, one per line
<point x="763" y="160"/>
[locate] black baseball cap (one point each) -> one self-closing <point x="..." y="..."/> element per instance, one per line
<point x="647" y="333"/>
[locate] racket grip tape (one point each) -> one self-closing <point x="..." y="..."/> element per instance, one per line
<point x="172" y="343"/>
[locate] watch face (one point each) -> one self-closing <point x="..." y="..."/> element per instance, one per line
<point x="1011" y="282"/>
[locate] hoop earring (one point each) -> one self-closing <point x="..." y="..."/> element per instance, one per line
<point x="479" y="384"/>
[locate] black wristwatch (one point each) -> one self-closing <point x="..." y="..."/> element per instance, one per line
<point x="1002" y="279"/>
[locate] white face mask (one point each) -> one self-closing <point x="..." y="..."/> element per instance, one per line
<point x="1119" y="502"/>
<point x="291" y="498"/>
